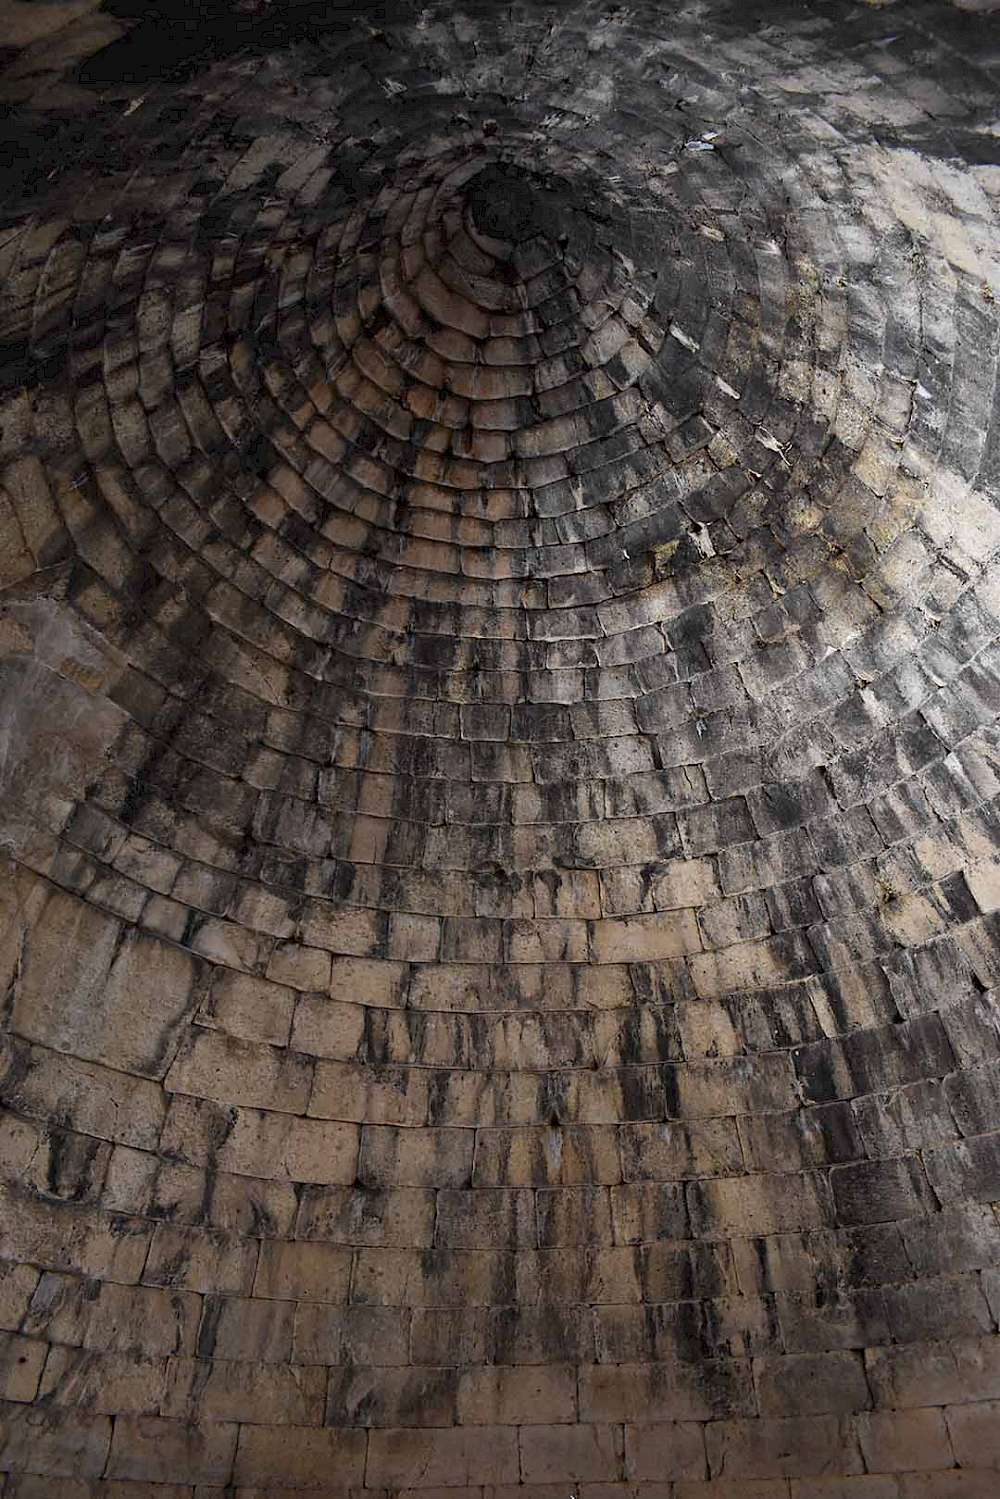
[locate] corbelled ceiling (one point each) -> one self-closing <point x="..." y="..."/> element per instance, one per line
<point x="499" y="759"/>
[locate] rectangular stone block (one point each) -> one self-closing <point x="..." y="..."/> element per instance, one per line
<point x="657" y="1451"/>
<point x="92" y="988"/>
<point x="880" y="1191"/>
<point x="70" y="1238"/>
<point x="17" y="1285"/>
<point x="449" y="1337"/>
<point x="251" y="1009"/>
<point x="415" y="1157"/>
<point x="975" y="1434"/>
<point x="571" y="1454"/>
<point x="361" y="1336"/>
<point x="299" y="1458"/>
<point x="569" y="1155"/>
<point x="326" y="1027"/>
<point x="54" y="1442"/>
<point x="443" y="1277"/>
<point x="224" y="1390"/>
<point x="808" y="1385"/>
<point x="485" y="1217"/>
<point x="302" y="1272"/>
<point x="517" y="1395"/>
<point x="797" y="1447"/>
<point x="573" y="1216"/>
<point x="143" y="1320"/>
<point x="668" y="1391"/>
<point x="445" y="1458"/>
<point x="93" y="1099"/>
<point x="157" y="1450"/>
<point x="675" y="1151"/>
<point x="904" y="1441"/>
<point x="383" y="1397"/>
<point x="21" y="1361"/>
<point x="211" y="1064"/>
<point x="241" y="1328"/>
<point x="393" y="1095"/>
<point x="191" y="1260"/>
<point x="761" y="1204"/>
<point x="393" y="1216"/>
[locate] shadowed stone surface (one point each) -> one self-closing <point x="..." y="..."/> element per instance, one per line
<point x="499" y="771"/>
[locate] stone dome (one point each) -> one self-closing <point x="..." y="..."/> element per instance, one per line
<point x="500" y="751"/>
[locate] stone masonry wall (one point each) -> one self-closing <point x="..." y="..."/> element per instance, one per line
<point x="499" y="755"/>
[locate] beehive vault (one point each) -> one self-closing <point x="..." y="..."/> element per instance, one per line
<point x="500" y="675"/>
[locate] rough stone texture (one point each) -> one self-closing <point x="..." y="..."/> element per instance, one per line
<point x="500" y="750"/>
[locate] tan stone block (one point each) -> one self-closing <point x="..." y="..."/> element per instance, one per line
<point x="190" y="1259"/>
<point x="905" y="1441"/>
<point x="210" y="1064"/>
<point x="370" y="1095"/>
<point x="368" y="981"/>
<point x="559" y="1454"/>
<point x="656" y="1451"/>
<point x="299" y="967"/>
<point x="391" y="1397"/>
<point x="360" y="1336"/>
<point x="517" y="1395"/>
<point x="669" y="934"/>
<point x="811" y="1384"/>
<point x="770" y="1204"/>
<point x="252" y="1142"/>
<point x="17" y="1285"/>
<point x="240" y="1205"/>
<point x="862" y="1486"/>
<point x="754" y="1488"/>
<point x="130" y="1181"/>
<point x="957" y="1483"/>
<point x="96" y="1100"/>
<point x="426" y="1459"/>
<point x="143" y="1321"/>
<point x="247" y="1330"/>
<point x="393" y="1216"/>
<point x="160" y="1450"/>
<point x="674" y="1151"/>
<point x="302" y="1457"/>
<point x="453" y="1337"/>
<point x="669" y="1392"/>
<point x="347" y="931"/>
<point x="974" y="1432"/>
<point x="259" y="1393"/>
<point x="485" y="1217"/>
<point x="794" y="1448"/>
<point x="415" y="1157"/>
<point x="54" y="1442"/>
<point x="746" y="965"/>
<point x="647" y="1211"/>
<point x="306" y="1272"/>
<point x="21" y="1361"/>
<point x="918" y="1374"/>
<point x="573" y="1216"/>
<point x="568" y="1156"/>
<point x="251" y="1009"/>
<point x="108" y="1384"/>
<point x="225" y="942"/>
<point x="98" y="991"/>
<point x="64" y="1237"/>
<point x="413" y="939"/>
<point x="328" y="1028"/>
<point x="399" y="1277"/>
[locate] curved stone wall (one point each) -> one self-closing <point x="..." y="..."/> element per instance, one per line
<point x="500" y="672"/>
